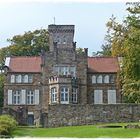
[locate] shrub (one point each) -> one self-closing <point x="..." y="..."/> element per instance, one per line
<point x="7" y="124"/>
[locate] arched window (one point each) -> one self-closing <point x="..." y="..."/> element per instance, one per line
<point x="93" y="79"/>
<point x="106" y="79"/>
<point x="25" y="79"/>
<point x="99" y="79"/>
<point x="19" y="78"/>
<point x="12" y="78"/>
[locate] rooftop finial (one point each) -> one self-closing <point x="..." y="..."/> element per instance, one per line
<point x="54" y="20"/>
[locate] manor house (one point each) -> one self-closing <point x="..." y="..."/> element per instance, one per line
<point x="63" y="75"/>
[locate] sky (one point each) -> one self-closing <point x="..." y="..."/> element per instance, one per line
<point x="89" y="17"/>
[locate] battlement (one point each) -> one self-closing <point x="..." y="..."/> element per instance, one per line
<point x="60" y="28"/>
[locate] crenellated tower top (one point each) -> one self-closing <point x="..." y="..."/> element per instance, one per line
<point x="61" y="36"/>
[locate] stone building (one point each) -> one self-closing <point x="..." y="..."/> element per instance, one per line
<point x="63" y="75"/>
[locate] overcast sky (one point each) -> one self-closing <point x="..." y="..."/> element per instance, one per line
<point x="89" y="19"/>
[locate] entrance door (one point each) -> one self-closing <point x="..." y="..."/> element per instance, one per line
<point x="31" y="119"/>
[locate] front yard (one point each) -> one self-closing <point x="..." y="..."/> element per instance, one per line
<point x="88" y="131"/>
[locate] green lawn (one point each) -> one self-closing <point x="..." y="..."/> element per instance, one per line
<point x="89" y="131"/>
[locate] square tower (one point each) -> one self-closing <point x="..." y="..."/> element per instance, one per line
<point x="61" y="36"/>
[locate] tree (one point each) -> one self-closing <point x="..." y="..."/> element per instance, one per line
<point x="126" y="43"/>
<point x="30" y="43"/>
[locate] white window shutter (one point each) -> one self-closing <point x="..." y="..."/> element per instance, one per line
<point x="12" y="78"/>
<point x="111" y="96"/>
<point x="23" y="96"/>
<point x="98" y="97"/>
<point x="9" y="97"/>
<point x="36" y="97"/>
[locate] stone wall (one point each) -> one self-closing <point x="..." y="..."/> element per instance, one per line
<point x="68" y="115"/>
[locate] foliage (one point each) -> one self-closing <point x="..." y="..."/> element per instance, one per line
<point x="2" y="79"/>
<point x="106" y="47"/>
<point x="132" y="91"/>
<point x="125" y="42"/>
<point x="28" y="44"/>
<point x="7" y="124"/>
<point x="89" y="131"/>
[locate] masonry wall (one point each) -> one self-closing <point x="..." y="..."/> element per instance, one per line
<point x="69" y="115"/>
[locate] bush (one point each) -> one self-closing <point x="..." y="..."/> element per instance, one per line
<point x="7" y="124"/>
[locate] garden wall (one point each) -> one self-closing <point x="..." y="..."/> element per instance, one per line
<point x="68" y="115"/>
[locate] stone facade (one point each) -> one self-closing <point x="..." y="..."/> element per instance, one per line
<point x="62" y="75"/>
<point x="31" y="109"/>
<point x="70" y="115"/>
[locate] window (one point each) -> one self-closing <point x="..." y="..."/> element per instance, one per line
<point x="112" y="79"/>
<point x="64" y="40"/>
<point x="21" y="78"/>
<point x="25" y="78"/>
<point x="106" y="79"/>
<point x="18" y="78"/>
<point x="74" y="95"/>
<point x="65" y="70"/>
<point x="12" y="78"/>
<point x="53" y="95"/>
<point x="30" y="97"/>
<point x="72" y="71"/>
<point x="99" y="79"/>
<point x="93" y="79"/>
<point x="30" y="78"/>
<point x="16" y="97"/>
<point x="64" y="95"/>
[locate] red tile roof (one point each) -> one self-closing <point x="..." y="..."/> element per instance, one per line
<point x="25" y="64"/>
<point x="103" y="64"/>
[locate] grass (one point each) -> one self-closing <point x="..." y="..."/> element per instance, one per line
<point x="88" y="131"/>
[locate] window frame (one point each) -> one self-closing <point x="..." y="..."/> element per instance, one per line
<point x="65" y="94"/>
<point x="30" y="97"/>
<point x="16" y="97"/>
<point x="53" y="95"/>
